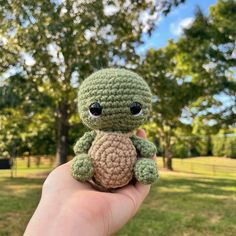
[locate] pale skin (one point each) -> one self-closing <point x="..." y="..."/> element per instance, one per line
<point x="69" y="207"/>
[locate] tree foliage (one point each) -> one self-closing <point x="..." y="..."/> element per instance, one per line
<point x="47" y="48"/>
<point x="54" y="45"/>
<point x="172" y="93"/>
<point x="188" y="76"/>
<point x="207" y="53"/>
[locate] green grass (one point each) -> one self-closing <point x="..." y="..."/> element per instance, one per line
<point x="187" y="205"/>
<point x="179" y="204"/>
<point x="21" y="170"/>
<point x="20" y="195"/>
<point x="18" y="199"/>
<point x="209" y="166"/>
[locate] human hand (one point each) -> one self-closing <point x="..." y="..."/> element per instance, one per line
<point x="69" y="207"/>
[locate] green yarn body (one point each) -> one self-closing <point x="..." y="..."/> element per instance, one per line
<point x="145" y="148"/>
<point x="82" y="168"/>
<point x="115" y="90"/>
<point x="84" y="143"/>
<point x="145" y="171"/>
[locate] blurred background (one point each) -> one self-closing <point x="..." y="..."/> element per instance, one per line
<point x="184" y="49"/>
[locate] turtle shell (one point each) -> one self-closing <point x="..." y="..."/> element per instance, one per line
<point x="113" y="156"/>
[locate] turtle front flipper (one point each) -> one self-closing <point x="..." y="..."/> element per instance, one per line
<point x="145" y="171"/>
<point x="82" y="168"/>
<point x="145" y="148"/>
<point x="84" y="143"/>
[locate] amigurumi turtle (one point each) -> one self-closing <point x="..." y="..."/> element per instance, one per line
<point x="113" y="102"/>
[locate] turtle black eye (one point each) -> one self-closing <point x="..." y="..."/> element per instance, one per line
<point x="136" y="108"/>
<point x="95" y="109"/>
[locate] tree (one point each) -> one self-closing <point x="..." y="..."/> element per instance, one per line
<point x="188" y="75"/>
<point x="25" y="118"/>
<point x="207" y="53"/>
<point x="230" y="147"/>
<point x="59" y="43"/>
<point x="224" y="143"/>
<point x="203" y="132"/>
<point x="172" y="92"/>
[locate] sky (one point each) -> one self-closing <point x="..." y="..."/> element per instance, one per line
<point x="170" y="26"/>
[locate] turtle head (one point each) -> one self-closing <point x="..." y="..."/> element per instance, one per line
<point x="114" y="100"/>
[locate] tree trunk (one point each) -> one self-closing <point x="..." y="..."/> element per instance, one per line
<point x="163" y="153"/>
<point x="168" y="155"/>
<point x="164" y="160"/>
<point x="169" y="163"/>
<point x="38" y="161"/>
<point x="62" y="134"/>
<point x="209" y="146"/>
<point x="28" y="161"/>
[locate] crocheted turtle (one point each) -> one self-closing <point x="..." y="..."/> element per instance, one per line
<point x="113" y="102"/>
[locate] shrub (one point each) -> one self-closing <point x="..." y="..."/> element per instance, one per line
<point x="181" y="149"/>
<point x="230" y="147"/>
<point x="218" y="145"/>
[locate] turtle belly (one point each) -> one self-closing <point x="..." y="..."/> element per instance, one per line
<point x="113" y="156"/>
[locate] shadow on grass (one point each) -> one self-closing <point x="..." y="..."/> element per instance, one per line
<point x="17" y="192"/>
<point x="7" y="182"/>
<point x="18" y="199"/>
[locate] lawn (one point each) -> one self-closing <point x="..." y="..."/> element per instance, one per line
<point x="18" y="199"/>
<point x="179" y="204"/>
<point x="209" y="166"/>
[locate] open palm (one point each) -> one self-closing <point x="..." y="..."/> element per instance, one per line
<point x="69" y="207"/>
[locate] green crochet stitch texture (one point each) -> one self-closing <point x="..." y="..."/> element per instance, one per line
<point x="113" y="100"/>
<point x="115" y="90"/>
<point x="84" y="143"/>
<point x="145" y="148"/>
<point x="145" y="171"/>
<point x="82" y="168"/>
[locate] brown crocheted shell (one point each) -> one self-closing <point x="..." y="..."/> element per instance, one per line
<point x="113" y="156"/>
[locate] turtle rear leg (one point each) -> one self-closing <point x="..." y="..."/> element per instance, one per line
<point x="145" y="171"/>
<point x="82" y="167"/>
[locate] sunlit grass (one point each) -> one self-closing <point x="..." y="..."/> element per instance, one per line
<point x="212" y="166"/>
<point x="21" y="168"/>
<point x="18" y="199"/>
<point x="187" y="205"/>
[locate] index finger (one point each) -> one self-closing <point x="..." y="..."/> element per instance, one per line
<point x="141" y="133"/>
